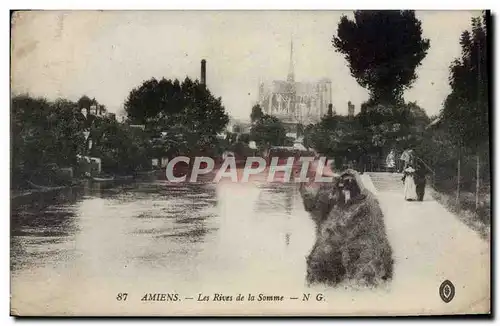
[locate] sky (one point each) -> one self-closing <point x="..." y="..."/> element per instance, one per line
<point x="105" y="54"/>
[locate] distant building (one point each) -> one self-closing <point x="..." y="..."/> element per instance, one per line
<point x="295" y="102"/>
<point x="97" y="109"/>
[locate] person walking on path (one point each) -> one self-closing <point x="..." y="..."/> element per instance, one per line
<point x="390" y="161"/>
<point x="408" y="158"/>
<point x="421" y="171"/>
<point x="410" y="188"/>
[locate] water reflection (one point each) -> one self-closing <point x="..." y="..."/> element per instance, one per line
<point x="35" y="239"/>
<point x="277" y="197"/>
<point x="189" y="233"/>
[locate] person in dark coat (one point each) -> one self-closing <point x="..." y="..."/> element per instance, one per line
<point x="420" y="179"/>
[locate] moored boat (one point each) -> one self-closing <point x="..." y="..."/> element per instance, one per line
<point x="40" y="187"/>
<point x="103" y="179"/>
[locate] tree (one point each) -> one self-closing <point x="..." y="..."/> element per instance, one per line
<point x="338" y="137"/>
<point x="369" y="133"/>
<point x="309" y="131"/>
<point x="386" y="127"/>
<point x="84" y="102"/>
<point x="122" y="149"/>
<point x="465" y="110"/>
<point x="268" y="131"/>
<point x="43" y="132"/>
<point x="187" y="111"/>
<point x="383" y="49"/>
<point x="244" y="138"/>
<point x="66" y="128"/>
<point x="256" y="113"/>
<point x="240" y="149"/>
<point x="466" y="107"/>
<point x="300" y="129"/>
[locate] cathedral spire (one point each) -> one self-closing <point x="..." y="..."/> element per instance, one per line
<point x="291" y="74"/>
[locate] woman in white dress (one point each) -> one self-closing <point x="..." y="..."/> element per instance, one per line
<point x="410" y="189"/>
<point x="390" y="161"/>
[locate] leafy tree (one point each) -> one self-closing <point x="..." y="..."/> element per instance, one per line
<point x="337" y="137"/>
<point x="63" y="123"/>
<point x="240" y="149"/>
<point x="27" y="127"/>
<point x="122" y="149"/>
<point x="42" y="133"/>
<point x="300" y="129"/>
<point x="370" y="133"/>
<point x="466" y="107"/>
<point x="84" y="102"/>
<point x="187" y="111"/>
<point x="268" y="131"/>
<point x="244" y="138"/>
<point x="289" y="141"/>
<point x="383" y="49"/>
<point x="309" y="131"/>
<point x="465" y="111"/>
<point x="396" y="126"/>
<point x="257" y="113"/>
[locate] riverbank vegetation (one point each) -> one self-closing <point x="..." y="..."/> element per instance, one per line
<point x="47" y="137"/>
<point x="454" y="144"/>
<point x="184" y="116"/>
<point x="458" y="143"/>
<point x="164" y="118"/>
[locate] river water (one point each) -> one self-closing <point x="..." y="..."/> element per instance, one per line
<point x="84" y="245"/>
<point x="74" y="252"/>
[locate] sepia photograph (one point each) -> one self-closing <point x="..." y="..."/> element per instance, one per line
<point x="250" y="163"/>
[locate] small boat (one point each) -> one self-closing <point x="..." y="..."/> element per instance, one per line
<point x="46" y="188"/>
<point x="103" y="179"/>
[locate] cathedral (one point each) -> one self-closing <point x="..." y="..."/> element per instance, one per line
<point x="295" y="102"/>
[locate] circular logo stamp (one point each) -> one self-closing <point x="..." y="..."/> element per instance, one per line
<point x="447" y="291"/>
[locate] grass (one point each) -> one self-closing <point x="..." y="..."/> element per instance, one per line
<point x="479" y="221"/>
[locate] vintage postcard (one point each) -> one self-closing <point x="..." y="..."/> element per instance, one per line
<point x="250" y="163"/>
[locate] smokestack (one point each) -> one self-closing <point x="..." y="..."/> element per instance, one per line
<point x="330" y="108"/>
<point x="203" y="72"/>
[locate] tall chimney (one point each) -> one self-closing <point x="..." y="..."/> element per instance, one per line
<point x="203" y="72"/>
<point x="330" y="109"/>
